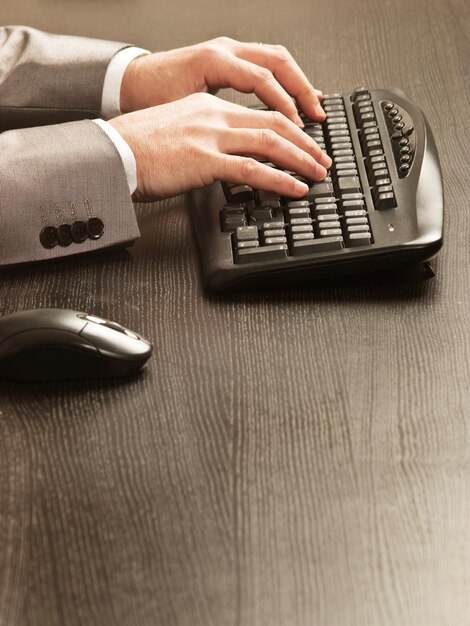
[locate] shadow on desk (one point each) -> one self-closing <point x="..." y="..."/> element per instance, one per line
<point x="408" y="284"/>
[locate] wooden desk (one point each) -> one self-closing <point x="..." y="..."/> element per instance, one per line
<point x="300" y="458"/>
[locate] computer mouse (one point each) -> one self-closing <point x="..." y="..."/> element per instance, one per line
<point x="58" y="344"/>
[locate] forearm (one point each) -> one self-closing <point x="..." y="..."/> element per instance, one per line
<point x="48" y="79"/>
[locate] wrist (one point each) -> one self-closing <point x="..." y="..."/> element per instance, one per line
<point x="132" y="86"/>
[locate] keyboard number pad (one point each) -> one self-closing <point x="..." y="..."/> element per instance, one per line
<point x="375" y="162"/>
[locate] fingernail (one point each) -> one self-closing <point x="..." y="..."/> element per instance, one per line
<point x="319" y="93"/>
<point x="301" y="188"/>
<point x="298" y="121"/>
<point x="320" y="111"/>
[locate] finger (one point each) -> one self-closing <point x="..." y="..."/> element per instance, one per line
<point x="251" y="78"/>
<point x="244" y="170"/>
<point x="279" y="61"/>
<point x="241" y="117"/>
<point x="265" y="143"/>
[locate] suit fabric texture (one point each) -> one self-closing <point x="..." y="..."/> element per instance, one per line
<point x="63" y="187"/>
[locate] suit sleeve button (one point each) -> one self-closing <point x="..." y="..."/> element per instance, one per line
<point x="79" y="231"/>
<point x="64" y="235"/>
<point x="95" y="228"/>
<point x="48" y="237"/>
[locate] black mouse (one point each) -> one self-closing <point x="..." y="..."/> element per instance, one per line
<point x="57" y="344"/>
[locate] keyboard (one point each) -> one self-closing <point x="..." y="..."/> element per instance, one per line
<point x="380" y="208"/>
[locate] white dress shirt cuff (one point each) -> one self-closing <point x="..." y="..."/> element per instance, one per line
<point x="126" y="154"/>
<point x="111" y="96"/>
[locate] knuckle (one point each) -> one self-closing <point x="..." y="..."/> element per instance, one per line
<point x="277" y="119"/>
<point x="264" y="75"/>
<point x="249" y="167"/>
<point x="267" y="138"/>
<point x="210" y="51"/>
<point x="309" y="91"/>
<point x="224" y="41"/>
<point x="278" y="178"/>
<point x="205" y="99"/>
<point x="283" y="53"/>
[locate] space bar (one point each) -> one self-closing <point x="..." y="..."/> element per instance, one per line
<point x="310" y="246"/>
<point x="265" y="253"/>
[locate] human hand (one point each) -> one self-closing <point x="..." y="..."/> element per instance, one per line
<point x="269" y="71"/>
<point x="200" y="139"/>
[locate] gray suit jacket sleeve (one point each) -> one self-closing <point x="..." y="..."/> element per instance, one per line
<point x="63" y="188"/>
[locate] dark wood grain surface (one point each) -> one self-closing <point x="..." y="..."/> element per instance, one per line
<point x="296" y="458"/>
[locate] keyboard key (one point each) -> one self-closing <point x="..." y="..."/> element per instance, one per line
<point x="301" y="228"/>
<point x="343" y="159"/>
<point x="327" y="244"/>
<point x="300" y="221"/>
<point x="241" y="193"/>
<point x="327" y="217"/>
<point x="350" y="172"/>
<point x="274" y="232"/>
<point x="325" y="209"/>
<point x="377" y="175"/>
<point x="357" y="228"/>
<point x="298" y="212"/>
<point x="330" y="224"/>
<point x="336" y="126"/>
<point x="360" y="239"/>
<point x="267" y="196"/>
<point x="335" y="114"/>
<point x="356" y="220"/>
<point x="262" y="254"/>
<point x="231" y="216"/>
<point x="341" y="144"/>
<point x="351" y="196"/>
<point x="232" y="223"/>
<point x="339" y="133"/>
<point x="244" y="233"/>
<point x="351" y="183"/>
<point x="302" y="236"/>
<point x="254" y="243"/>
<point x="382" y="189"/>
<point x="345" y="165"/>
<point x="273" y="225"/>
<point x="360" y="93"/>
<point x="355" y="213"/>
<point x="349" y="205"/>
<point x="260" y="214"/>
<point x="385" y="201"/>
<point x="320" y="189"/>
<point x="274" y="240"/>
<point x="342" y="152"/>
<point x="297" y="203"/>
<point x="330" y="232"/>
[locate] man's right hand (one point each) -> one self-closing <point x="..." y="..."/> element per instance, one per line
<point x="199" y="139"/>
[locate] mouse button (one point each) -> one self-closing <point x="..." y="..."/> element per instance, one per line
<point x="44" y="337"/>
<point x="129" y="333"/>
<point x="115" y="344"/>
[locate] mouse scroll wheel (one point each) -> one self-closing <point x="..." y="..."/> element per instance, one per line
<point x="115" y="326"/>
<point x="91" y="318"/>
<point x="121" y="329"/>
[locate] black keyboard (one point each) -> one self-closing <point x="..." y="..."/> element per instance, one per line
<point x="380" y="207"/>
